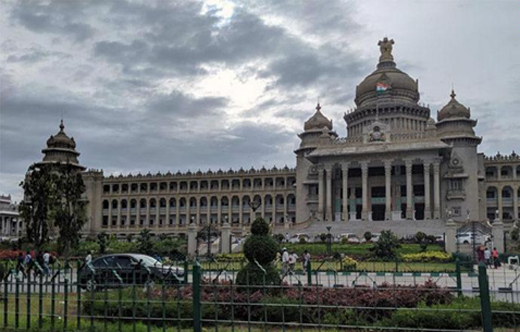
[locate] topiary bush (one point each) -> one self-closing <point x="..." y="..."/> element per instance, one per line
<point x="386" y="246"/>
<point x="262" y="248"/>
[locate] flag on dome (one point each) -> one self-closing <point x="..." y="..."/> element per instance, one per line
<point x="382" y="87"/>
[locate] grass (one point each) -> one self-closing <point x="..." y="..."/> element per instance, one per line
<point x="362" y="249"/>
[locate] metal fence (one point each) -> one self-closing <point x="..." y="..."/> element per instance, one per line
<point x="73" y="297"/>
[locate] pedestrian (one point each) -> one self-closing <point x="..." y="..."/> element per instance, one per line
<point x="487" y="257"/>
<point x="306" y="259"/>
<point x="293" y="258"/>
<point x="480" y="254"/>
<point x="28" y="259"/>
<point x="496" y="261"/>
<point x="287" y="237"/>
<point x="285" y="261"/>
<point x="46" y="262"/>
<point x="88" y="258"/>
<point x="19" y="263"/>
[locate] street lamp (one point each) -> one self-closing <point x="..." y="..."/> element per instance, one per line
<point x="329" y="241"/>
<point x="209" y="240"/>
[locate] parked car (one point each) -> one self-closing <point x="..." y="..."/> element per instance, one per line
<point x="131" y="268"/>
<point x="439" y="238"/>
<point x="298" y="236"/>
<point x="350" y="237"/>
<point x="467" y="238"/>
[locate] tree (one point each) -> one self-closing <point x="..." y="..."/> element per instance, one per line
<point x="70" y="211"/>
<point x="40" y="199"/>
<point x="386" y="246"/>
<point x="144" y="242"/>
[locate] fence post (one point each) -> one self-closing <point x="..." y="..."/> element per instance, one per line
<point x="459" y="277"/>
<point x="186" y="270"/>
<point x="309" y="273"/>
<point x="197" y="324"/>
<point x="485" y="303"/>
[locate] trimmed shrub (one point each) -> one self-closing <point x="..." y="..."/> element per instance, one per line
<point x="386" y="246"/>
<point x="260" y="227"/>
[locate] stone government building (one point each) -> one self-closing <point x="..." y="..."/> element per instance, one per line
<point x="397" y="169"/>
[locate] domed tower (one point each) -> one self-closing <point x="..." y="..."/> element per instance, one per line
<point x="61" y="149"/>
<point x="388" y="95"/>
<point x="456" y="128"/>
<point x="317" y="129"/>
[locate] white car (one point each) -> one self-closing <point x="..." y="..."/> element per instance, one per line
<point x="298" y="236"/>
<point x="351" y="237"/>
<point x="466" y="238"/>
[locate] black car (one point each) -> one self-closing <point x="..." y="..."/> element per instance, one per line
<point x="127" y="269"/>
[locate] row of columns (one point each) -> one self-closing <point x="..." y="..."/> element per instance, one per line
<point x="220" y="215"/>
<point x="7" y="226"/>
<point x="500" y="206"/>
<point x="388" y="196"/>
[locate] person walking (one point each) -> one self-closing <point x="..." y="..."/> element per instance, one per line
<point x="306" y="259"/>
<point x="88" y="258"/>
<point x="19" y="263"/>
<point x="487" y="257"/>
<point x="293" y="258"/>
<point x="46" y="263"/>
<point x="285" y="261"/>
<point x="496" y="261"/>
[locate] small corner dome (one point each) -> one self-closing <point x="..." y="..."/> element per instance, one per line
<point x="317" y="121"/>
<point x="453" y="109"/>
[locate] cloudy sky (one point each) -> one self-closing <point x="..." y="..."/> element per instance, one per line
<point x="177" y="85"/>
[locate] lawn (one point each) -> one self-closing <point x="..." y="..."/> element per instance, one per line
<point x="362" y="249"/>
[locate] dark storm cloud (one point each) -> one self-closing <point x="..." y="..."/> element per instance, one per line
<point x="57" y="17"/>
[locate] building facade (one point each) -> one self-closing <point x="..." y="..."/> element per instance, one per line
<point x="11" y="225"/>
<point x="398" y="168"/>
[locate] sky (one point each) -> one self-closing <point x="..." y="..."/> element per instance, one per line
<point x="147" y="86"/>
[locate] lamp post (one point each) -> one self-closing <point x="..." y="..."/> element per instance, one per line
<point x="329" y="241"/>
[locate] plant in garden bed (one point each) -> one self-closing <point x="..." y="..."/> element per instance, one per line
<point x="260" y="249"/>
<point x="428" y="256"/>
<point x="386" y="246"/>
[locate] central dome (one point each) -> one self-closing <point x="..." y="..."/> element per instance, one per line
<point x="387" y="81"/>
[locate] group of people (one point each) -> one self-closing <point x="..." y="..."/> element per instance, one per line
<point x="488" y="257"/>
<point x="289" y="260"/>
<point x="26" y="261"/>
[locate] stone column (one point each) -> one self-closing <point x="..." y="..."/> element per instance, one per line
<point x="208" y="210"/>
<point x="388" y="189"/>
<point x="321" y="192"/>
<point x="515" y="203"/>
<point x="225" y="238"/>
<point x="364" y="190"/>
<point x="274" y="208"/>
<point x="498" y="235"/>
<point x="328" y="194"/>
<point x="285" y="213"/>
<point x="451" y="236"/>
<point x="345" y="191"/>
<point x="409" y="190"/>
<point x="436" y="191"/>
<point x="500" y="206"/>
<point x="240" y="202"/>
<point x="219" y="209"/>
<point x="192" y="240"/>
<point x="427" y="203"/>
<point x="109" y="215"/>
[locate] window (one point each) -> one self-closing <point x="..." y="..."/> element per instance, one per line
<point x="456" y="184"/>
<point x="123" y="261"/>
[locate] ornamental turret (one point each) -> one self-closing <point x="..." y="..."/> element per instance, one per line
<point x="61" y="149"/>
